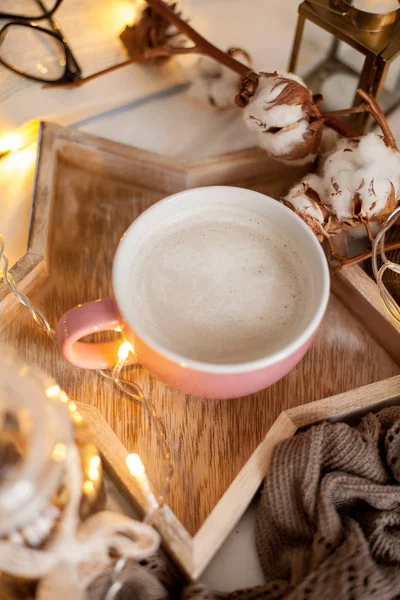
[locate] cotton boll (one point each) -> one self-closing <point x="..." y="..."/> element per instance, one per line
<point x="372" y="149"/>
<point x="214" y="83"/>
<point x="300" y="202"/>
<point x="294" y="77"/>
<point x="256" y="108"/>
<point x="283" y="115"/>
<point x="316" y="183"/>
<point x="261" y="107"/>
<point x="304" y="205"/>
<point x="340" y="195"/>
<point x="374" y="192"/>
<point x="344" y="159"/>
<point x="346" y="144"/>
<point x="338" y="173"/>
<point x="199" y="91"/>
<point x="216" y="86"/>
<point x="222" y="94"/>
<point x="283" y="111"/>
<point x="282" y="142"/>
<point x="378" y="193"/>
<point x="374" y="152"/>
<point x="230" y="77"/>
<point x="359" y="184"/>
<point x="334" y="167"/>
<point x="305" y="200"/>
<point x="208" y="67"/>
<point x="362" y="179"/>
<point x="257" y="125"/>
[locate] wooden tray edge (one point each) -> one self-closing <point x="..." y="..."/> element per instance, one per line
<point x="227" y="512"/>
<point x="176" y="540"/>
<point x="193" y="554"/>
<point x="360" y="294"/>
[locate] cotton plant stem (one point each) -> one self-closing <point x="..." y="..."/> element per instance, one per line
<point x="345" y="111"/>
<point x="360" y="257"/>
<point x="205" y="47"/>
<point x="375" y="110"/>
<point x="147" y="55"/>
<point x="369" y="105"/>
<point x="340" y="127"/>
<point x="201" y="46"/>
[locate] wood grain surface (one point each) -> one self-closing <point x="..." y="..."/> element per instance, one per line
<point x="97" y="190"/>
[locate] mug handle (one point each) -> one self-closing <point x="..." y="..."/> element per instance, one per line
<point x="84" y="319"/>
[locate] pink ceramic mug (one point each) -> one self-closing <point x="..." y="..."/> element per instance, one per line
<point x="209" y="380"/>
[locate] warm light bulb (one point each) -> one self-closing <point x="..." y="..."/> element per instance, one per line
<point x="53" y="391"/>
<point x="88" y="487"/>
<point x="59" y="453"/>
<point x="11" y="142"/>
<point x="127" y="11"/>
<point x="18" y="139"/>
<point x="123" y="350"/>
<point x="94" y="462"/>
<point x="135" y="465"/>
<point x="94" y="468"/>
<point x="94" y="474"/>
<point x="20" y="160"/>
<point x="63" y="397"/>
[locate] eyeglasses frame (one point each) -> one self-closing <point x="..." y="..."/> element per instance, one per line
<point x="70" y="74"/>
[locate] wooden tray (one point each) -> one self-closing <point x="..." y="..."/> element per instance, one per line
<point x="88" y="191"/>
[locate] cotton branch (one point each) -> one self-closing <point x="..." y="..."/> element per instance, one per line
<point x="203" y="46"/>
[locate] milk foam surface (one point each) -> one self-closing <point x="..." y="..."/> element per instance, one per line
<point x="219" y="285"/>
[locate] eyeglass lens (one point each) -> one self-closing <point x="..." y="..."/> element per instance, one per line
<point x="33" y="52"/>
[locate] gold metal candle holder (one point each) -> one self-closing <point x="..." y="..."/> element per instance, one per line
<point x="376" y="36"/>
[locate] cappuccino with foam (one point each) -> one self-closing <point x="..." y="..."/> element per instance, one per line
<point x="225" y="285"/>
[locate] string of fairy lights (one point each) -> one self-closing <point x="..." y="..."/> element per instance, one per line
<point x="131" y="389"/>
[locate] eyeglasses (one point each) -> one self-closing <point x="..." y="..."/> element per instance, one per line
<point x="35" y="52"/>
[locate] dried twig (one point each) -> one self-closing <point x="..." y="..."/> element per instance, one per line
<point x="203" y="45"/>
<point x="369" y="105"/>
<point x="345" y="111"/>
<point x="377" y="113"/>
<point x="340" y="127"/>
<point x="353" y="260"/>
<point x="147" y="55"/>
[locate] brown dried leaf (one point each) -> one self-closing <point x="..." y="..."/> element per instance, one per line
<point x="295" y="94"/>
<point x="312" y="223"/>
<point x="151" y="31"/>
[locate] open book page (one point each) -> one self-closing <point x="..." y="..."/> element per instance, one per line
<point x="92" y="29"/>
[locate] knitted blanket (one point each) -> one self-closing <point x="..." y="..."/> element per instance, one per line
<point x="328" y="525"/>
